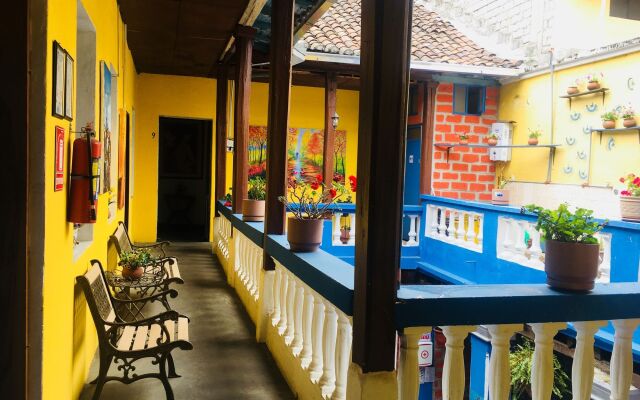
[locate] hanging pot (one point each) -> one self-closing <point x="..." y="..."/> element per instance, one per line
<point x="630" y="208"/>
<point x="608" y="124"/>
<point x="464" y="141"/>
<point x="629" y="122"/>
<point x="132" y="274"/>
<point x="492" y="141"/>
<point x="572" y="90"/>
<point x="571" y="266"/>
<point x="252" y="210"/>
<point x="593" y="85"/>
<point x="304" y="235"/>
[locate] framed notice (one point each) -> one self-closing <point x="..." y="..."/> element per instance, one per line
<point x="68" y="87"/>
<point x="59" y="62"/>
<point x="58" y="171"/>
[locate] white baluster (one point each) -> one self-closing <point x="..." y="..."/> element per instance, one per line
<point x="336" y="228"/>
<point x="282" y="324"/>
<point x="605" y="266"/>
<point x="542" y="365"/>
<point x="317" y="328"/>
<point x="433" y="217"/>
<point x="408" y="370"/>
<point x="307" y="326"/>
<point x="461" y="230"/>
<point x="451" y="228"/>
<point x="296" y="345"/>
<point x="507" y="243"/>
<point x="622" y="358"/>
<point x="499" y="370"/>
<point x="480" y="235"/>
<point x="328" y="380"/>
<point x="442" y="228"/>
<point x="352" y="237"/>
<point x="276" y="296"/>
<point x="412" y="231"/>
<point x="583" y="360"/>
<point x="536" y="250"/>
<point x="343" y="357"/>
<point x="291" y="295"/>
<point x="469" y="234"/>
<point x="519" y="246"/>
<point x="453" y="380"/>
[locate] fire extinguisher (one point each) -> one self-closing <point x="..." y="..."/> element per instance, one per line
<point x="85" y="178"/>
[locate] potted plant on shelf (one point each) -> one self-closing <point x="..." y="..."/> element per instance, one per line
<point x="609" y="119"/>
<point x="309" y="204"/>
<point x="630" y="198"/>
<point x="492" y="140"/>
<point x="500" y="195"/>
<point x="133" y="263"/>
<point x="573" y="89"/>
<point x="463" y="138"/>
<point x="594" y="80"/>
<point x="534" y="134"/>
<point x="628" y="117"/>
<point x="253" y="207"/>
<point x="572" y="250"/>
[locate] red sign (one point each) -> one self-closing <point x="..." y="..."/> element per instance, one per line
<point x="59" y="160"/>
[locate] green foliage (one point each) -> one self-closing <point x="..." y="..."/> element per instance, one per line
<point x="535" y="133"/>
<point x="609" y="116"/>
<point x="257" y="188"/>
<point x="520" y="362"/>
<point x="135" y="258"/>
<point x="564" y="226"/>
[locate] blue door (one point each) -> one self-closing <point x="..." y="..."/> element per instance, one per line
<point x="411" y="174"/>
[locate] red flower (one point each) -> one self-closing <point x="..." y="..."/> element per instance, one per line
<point x="625" y="193"/>
<point x="319" y="178"/>
<point x="637" y="181"/>
<point x="333" y="193"/>
<point x="227" y="203"/>
<point x="338" y="178"/>
<point x="314" y="185"/>
<point x="353" y="181"/>
<point x="621" y="180"/>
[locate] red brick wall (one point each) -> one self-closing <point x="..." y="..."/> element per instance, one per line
<point x="470" y="174"/>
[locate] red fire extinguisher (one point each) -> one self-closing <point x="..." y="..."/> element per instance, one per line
<point x="85" y="179"/>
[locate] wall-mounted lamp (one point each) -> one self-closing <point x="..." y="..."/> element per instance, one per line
<point x="230" y="145"/>
<point x="335" y="119"/>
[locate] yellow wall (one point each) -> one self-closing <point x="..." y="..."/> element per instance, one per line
<point x="528" y="102"/>
<point x="69" y="338"/>
<point x="162" y="95"/>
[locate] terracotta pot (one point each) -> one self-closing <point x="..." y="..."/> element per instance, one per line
<point x="630" y="208"/>
<point x="608" y="124"/>
<point x="132" y="273"/>
<point x="252" y="210"/>
<point x="593" y="85"/>
<point x="492" y="142"/>
<point x="572" y="90"/>
<point x="533" y="141"/>
<point x="500" y="197"/>
<point x="345" y="235"/>
<point x="629" y="122"/>
<point x="304" y="235"/>
<point x="571" y="266"/>
<point x="464" y="141"/>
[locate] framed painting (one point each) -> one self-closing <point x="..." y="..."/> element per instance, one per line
<point x="105" y="123"/>
<point x="59" y="62"/>
<point x="68" y="87"/>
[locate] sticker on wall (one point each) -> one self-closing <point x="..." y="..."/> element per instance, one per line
<point x="583" y="174"/>
<point x="570" y="140"/>
<point x="582" y="155"/>
<point x="575" y="116"/>
<point x="586" y="130"/>
<point x="631" y="84"/>
<point x="591" y="107"/>
<point x="611" y="144"/>
<point x="568" y="169"/>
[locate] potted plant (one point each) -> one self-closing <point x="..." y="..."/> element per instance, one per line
<point x="492" y="140"/>
<point x="572" y="251"/>
<point x="534" y="134"/>
<point x="133" y="262"/>
<point x="630" y="198"/>
<point x="628" y="117"/>
<point x="463" y="138"/>
<point x="310" y="204"/>
<point x="253" y="207"/>
<point x="594" y="80"/>
<point x="609" y="119"/>
<point x="520" y="361"/>
<point x="573" y="89"/>
<point x="500" y="195"/>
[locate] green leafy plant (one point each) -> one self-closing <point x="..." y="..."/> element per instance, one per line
<point x="492" y="136"/>
<point x="520" y="362"/>
<point x="628" y="112"/>
<point x="564" y="226"/>
<point x="311" y="200"/>
<point x="463" y="136"/>
<point x="501" y="182"/>
<point x="135" y="258"/>
<point x="534" y="133"/>
<point x="257" y="188"/>
<point x="595" y="77"/>
<point x="610" y="116"/>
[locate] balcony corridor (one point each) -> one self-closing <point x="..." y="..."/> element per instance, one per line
<point x="226" y="362"/>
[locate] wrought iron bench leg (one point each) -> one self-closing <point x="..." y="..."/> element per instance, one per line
<point x="105" y="362"/>
<point x="163" y="376"/>
<point x="172" y="367"/>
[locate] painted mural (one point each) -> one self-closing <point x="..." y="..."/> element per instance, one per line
<point x="304" y="151"/>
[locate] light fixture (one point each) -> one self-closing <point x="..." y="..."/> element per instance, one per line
<point x="230" y="145"/>
<point x="335" y="119"/>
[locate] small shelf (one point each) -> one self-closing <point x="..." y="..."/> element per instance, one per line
<point x="588" y="92"/>
<point x="616" y="130"/>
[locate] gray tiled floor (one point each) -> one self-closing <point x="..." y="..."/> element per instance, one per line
<point x="226" y="362"/>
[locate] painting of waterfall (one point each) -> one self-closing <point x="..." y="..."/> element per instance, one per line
<point x="304" y="151"/>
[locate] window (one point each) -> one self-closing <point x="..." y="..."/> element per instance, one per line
<point x="468" y="99"/>
<point x="629" y="9"/>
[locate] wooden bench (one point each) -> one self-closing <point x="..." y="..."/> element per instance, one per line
<point x="124" y="343"/>
<point x="168" y="266"/>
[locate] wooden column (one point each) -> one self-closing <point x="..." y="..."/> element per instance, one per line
<point x="330" y="89"/>
<point x="221" y="131"/>
<point x="278" y="119"/>
<point x="244" y="46"/>
<point x="428" y="116"/>
<point x="384" y="72"/>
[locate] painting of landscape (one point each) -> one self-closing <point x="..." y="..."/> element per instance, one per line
<point x="304" y="150"/>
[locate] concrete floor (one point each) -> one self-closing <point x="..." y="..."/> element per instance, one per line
<point x="226" y="362"/>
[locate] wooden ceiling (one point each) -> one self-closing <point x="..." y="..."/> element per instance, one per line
<point x="179" y="37"/>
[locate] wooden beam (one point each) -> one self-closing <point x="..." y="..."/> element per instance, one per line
<point x="428" y="116"/>
<point x="222" y="89"/>
<point x="382" y="128"/>
<point x="244" y="46"/>
<point x="278" y="118"/>
<point x="330" y="90"/>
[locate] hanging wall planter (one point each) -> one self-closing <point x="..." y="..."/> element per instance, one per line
<point x="572" y="90"/>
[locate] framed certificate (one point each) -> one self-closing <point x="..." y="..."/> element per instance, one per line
<point x="59" y="62"/>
